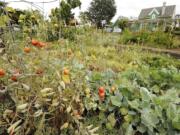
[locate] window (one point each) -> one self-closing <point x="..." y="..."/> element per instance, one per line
<point x="153" y="16"/>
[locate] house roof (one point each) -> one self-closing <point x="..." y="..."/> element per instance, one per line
<point x="169" y="11"/>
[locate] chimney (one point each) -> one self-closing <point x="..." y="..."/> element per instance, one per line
<point x="163" y="8"/>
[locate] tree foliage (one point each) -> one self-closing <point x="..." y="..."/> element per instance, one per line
<point x="2" y="6"/>
<point x="102" y="10"/>
<point x="84" y="17"/>
<point x="122" y="23"/>
<point x="65" y="11"/>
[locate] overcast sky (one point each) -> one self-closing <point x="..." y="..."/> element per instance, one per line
<point x="126" y="8"/>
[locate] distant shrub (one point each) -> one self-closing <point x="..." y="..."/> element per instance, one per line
<point x="155" y="39"/>
<point x="160" y="38"/>
<point x="134" y="37"/>
<point x="69" y="33"/>
<point x="143" y="36"/>
<point x="66" y="33"/>
<point x="176" y="42"/>
<point x="127" y="37"/>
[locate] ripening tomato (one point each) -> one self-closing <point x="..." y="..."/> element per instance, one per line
<point x="101" y="90"/>
<point x="14" y="78"/>
<point x="113" y="89"/>
<point x="2" y="73"/>
<point x="39" y="71"/>
<point x="41" y="44"/>
<point x="66" y="72"/>
<point x="102" y="95"/>
<point x="34" y="42"/>
<point x="27" y="50"/>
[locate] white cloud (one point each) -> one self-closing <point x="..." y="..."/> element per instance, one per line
<point x="124" y="7"/>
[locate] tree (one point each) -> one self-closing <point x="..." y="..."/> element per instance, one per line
<point x="2" y="6"/>
<point x="84" y="17"/>
<point x="101" y="10"/>
<point x="64" y="12"/>
<point x="122" y="23"/>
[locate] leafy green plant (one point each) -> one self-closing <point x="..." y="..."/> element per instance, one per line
<point x="154" y="39"/>
<point x="160" y="38"/>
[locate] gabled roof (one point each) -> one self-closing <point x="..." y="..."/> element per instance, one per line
<point x="169" y="11"/>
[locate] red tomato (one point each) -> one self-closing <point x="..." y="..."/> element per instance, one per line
<point x="27" y="50"/>
<point x="2" y="73"/>
<point x="101" y="90"/>
<point x="34" y="42"/>
<point x="41" y="44"/>
<point x="101" y="95"/>
<point x="14" y="78"/>
<point x="66" y="72"/>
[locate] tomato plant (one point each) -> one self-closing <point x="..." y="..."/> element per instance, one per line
<point x="99" y="89"/>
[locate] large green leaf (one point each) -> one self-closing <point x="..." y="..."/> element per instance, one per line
<point x="135" y="104"/>
<point x="3" y="20"/>
<point x="145" y="94"/>
<point x="176" y="122"/>
<point x="171" y="111"/>
<point x="149" y="118"/>
<point x="141" y="128"/>
<point x="116" y="100"/>
<point x="129" y="130"/>
<point x="111" y="119"/>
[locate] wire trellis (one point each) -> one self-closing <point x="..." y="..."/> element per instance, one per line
<point x="12" y="43"/>
<point x="43" y="25"/>
<point x="33" y="5"/>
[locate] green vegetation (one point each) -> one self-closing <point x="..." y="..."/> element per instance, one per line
<point x="68" y="80"/>
<point x="122" y="23"/>
<point x="153" y="39"/>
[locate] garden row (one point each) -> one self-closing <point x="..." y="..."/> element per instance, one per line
<point x="88" y="87"/>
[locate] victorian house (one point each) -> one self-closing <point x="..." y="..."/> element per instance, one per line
<point x="152" y="18"/>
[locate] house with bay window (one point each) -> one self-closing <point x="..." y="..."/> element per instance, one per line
<point x="154" y="17"/>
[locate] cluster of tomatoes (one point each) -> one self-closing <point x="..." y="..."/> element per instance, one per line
<point x="35" y="43"/>
<point x="16" y="73"/>
<point x="38" y="43"/>
<point x="101" y="93"/>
